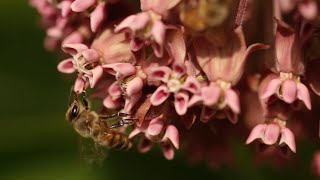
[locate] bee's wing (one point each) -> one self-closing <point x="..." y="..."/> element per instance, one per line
<point x="92" y="154"/>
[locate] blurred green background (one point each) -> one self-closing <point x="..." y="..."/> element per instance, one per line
<point x="36" y="141"/>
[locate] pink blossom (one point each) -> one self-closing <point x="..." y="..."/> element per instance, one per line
<point x="97" y="15"/>
<point x="85" y="61"/>
<point x="129" y="83"/>
<point x="175" y="81"/>
<point x="307" y="8"/>
<point x="270" y="134"/>
<point x="289" y="64"/>
<point x="156" y="131"/>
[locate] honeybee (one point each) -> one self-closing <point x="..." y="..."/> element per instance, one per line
<point x="89" y="124"/>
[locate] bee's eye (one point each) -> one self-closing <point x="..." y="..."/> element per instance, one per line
<point x="74" y="112"/>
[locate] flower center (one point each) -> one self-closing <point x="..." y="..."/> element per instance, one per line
<point x="174" y="85"/>
<point x="285" y="76"/>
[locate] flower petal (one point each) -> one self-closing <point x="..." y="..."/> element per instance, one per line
<point x="131" y="101"/>
<point x="145" y="145"/>
<point x="114" y="90"/>
<point x="207" y="114"/>
<point x="125" y="69"/>
<point x="133" y="22"/>
<point x="256" y="133"/>
<point x="308" y="9"/>
<point x="158" y="32"/>
<point x="289" y="91"/>
<point x="181" y="99"/>
<point x="155" y="126"/>
<point x="303" y="95"/>
<point x="232" y="99"/>
<point x="79" y="85"/>
<point x="111" y="103"/>
<point x="135" y="132"/>
<point x="66" y="66"/>
<point x="195" y="100"/>
<point x="82" y="5"/>
<point x="271" y="88"/>
<point x="192" y="85"/>
<point x="179" y="70"/>
<point x="168" y="151"/>
<point x="287" y="137"/>
<point x="161" y="73"/>
<point x="210" y="95"/>
<point x="271" y="134"/>
<point x="74" y="49"/>
<point x="65" y="7"/>
<point x="172" y="134"/>
<point x="96" y="75"/>
<point x="160" y="95"/>
<point x="134" y="86"/>
<point x="176" y="45"/>
<point x="91" y="55"/>
<point x="97" y="16"/>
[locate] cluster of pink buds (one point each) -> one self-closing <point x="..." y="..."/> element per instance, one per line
<point x="185" y="70"/>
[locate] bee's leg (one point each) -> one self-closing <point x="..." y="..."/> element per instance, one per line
<point x="84" y="100"/>
<point x="122" y="122"/>
<point x="119" y="114"/>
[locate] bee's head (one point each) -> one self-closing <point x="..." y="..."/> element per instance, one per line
<point x="76" y="106"/>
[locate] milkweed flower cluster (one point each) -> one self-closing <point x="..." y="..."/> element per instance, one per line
<point x="185" y="69"/>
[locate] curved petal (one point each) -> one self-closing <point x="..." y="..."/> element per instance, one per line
<point x="158" y="32"/>
<point x="65" y="7"/>
<point x="96" y="75"/>
<point x="168" y="151"/>
<point x="172" y="134"/>
<point x="181" y="99"/>
<point x="134" y="86"/>
<point x="131" y="101"/>
<point x="195" y="100"/>
<point x="160" y="95"/>
<point x="73" y="38"/>
<point x="271" y="134"/>
<point x="308" y="9"/>
<point x="79" y="85"/>
<point x="256" y="133"/>
<point x="155" y="126"/>
<point x="114" y="90"/>
<point x="145" y="145"/>
<point x="192" y="85"/>
<point x="176" y="45"/>
<point x="303" y="95"/>
<point x="125" y="69"/>
<point x="135" y="132"/>
<point x="179" y="70"/>
<point x="271" y="88"/>
<point x="313" y="75"/>
<point x="232" y="99"/>
<point x="207" y="114"/>
<point x="111" y="103"/>
<point x="232" y="116"/>
<point x="97" y="16"/>
<point x="289" y="91"/>
<point x="74" y="49"/>
<point x="287" y="137"/>
<point x="210" y="95"/>
<point x="134" y="22"/>
<point x="91" y="55"/>
<point x="82" y="5"/>
<point x="161" y="73"/>
<point x="66" y="66"/>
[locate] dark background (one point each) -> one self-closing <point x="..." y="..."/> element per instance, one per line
<point x="37" y="143"/>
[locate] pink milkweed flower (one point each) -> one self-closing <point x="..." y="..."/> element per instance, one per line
<point x="156" y="131"/>
<point x="147" y="27"/>
<point x="85" y="61"/>
<point x="289" y="65"/>
<point x="129" y="83"/>
<point x="223" y="65"/>
<point x="270" y="133"/>
<point x="175" y="81"/>
<point x="96" y="16"/>
<point x="307" y="8"/>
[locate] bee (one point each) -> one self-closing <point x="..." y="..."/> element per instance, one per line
<point x="89" y="124"/>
